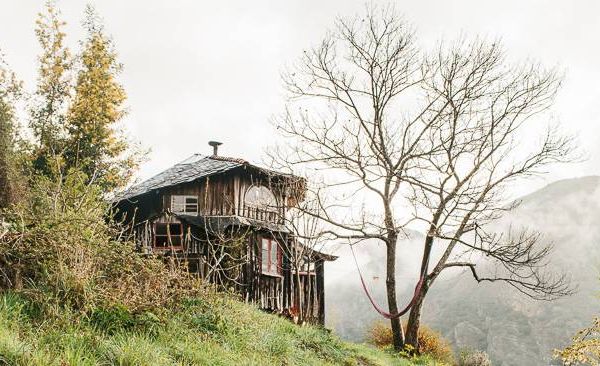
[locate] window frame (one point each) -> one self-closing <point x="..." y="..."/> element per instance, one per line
<point x="185" y="204"/>
<point x="270" y="271"/>
<point x="169" y="236"/>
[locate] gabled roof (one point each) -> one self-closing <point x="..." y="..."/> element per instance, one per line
<point x="317" y="254"/>
<point x="195" y="167"/>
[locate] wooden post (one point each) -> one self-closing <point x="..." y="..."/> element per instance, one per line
<point x="320" y="272"/>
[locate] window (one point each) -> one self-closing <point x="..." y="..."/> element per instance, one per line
<point x="184" y="204"/>
<point x="167" y="236"/>
<point x="271" y="257"/>
<point x="260" y="197"/>
<point x="260" y="203"/>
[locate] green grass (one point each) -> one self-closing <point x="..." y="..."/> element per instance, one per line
<point x="215" y="331"/>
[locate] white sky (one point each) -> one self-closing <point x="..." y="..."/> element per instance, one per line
<point x="200" y="70"/>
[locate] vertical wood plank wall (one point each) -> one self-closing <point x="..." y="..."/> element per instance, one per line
<point x="223" y="195"/>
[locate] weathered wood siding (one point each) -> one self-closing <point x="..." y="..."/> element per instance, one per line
<point x="223" y="195"/>
<point x="215" y="195"/>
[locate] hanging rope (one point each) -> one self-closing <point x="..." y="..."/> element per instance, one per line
<point x="375" y="306"/>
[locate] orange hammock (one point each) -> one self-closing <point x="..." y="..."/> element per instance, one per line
<point x="379" y="309"/>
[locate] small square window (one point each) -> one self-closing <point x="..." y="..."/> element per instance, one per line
<point x="168" y="235"/>
<point x="184" y="204"/>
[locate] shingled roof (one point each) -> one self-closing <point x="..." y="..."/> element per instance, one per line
<point x="195" y="167"/>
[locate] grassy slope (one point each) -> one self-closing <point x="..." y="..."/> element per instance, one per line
<point x="219" y="331"/>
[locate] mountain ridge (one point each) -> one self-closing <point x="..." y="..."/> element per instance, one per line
<point x="513" y="329"/>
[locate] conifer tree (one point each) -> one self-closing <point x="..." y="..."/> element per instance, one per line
<point x="9" y="177"/>
<point x="53" y="90"/>
<point x="96" y="146"/>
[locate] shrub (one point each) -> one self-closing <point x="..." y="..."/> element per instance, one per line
<point x="117" y="319"/>
<point x="474" y="358"/>
<point x="430" y="342"/>
<point x="60" y="250"/>
<point x="380" y="334"/>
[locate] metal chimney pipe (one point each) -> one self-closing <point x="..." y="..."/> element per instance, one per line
<point x="215" y="145"/>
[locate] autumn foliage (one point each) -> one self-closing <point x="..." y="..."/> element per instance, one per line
<point x="431" y="343"/>
<point x="585" y="348"/>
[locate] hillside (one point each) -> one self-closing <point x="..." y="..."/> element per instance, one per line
<point x="514" y="330"/>
<point x="219" y="331"/>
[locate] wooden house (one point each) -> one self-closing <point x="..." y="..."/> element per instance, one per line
<point x="226" y="220"/>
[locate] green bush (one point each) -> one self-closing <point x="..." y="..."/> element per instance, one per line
<point x="63" y="252"/>
<point x="118" y="319"/>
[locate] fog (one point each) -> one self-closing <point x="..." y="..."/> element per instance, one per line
<point x="199" y="71"/>
<point x="512" y="328"/>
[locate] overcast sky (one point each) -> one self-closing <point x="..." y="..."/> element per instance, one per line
<point x="199" y="70"/>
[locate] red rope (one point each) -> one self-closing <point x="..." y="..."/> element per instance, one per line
<point x="375" y="306"/>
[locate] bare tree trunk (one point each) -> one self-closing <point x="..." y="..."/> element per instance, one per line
<point x="414" y="318"/>
<point x="414" y="321"/>
<point x="298" y="300"/>
<point x="397" y="331"/>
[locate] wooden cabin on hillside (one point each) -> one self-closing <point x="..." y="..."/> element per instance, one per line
<point x="226" y="219"/>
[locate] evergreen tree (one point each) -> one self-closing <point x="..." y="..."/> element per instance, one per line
<point x="9" y="172"/>
<point x="95" y="144"/>
<point x="53" y="91"/>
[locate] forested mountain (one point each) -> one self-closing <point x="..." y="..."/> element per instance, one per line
<point x="513" y="329"/>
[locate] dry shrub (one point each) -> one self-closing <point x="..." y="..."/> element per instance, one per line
<point x="61" y="250"/>
<point x="474" y="358"/>
<point x="380" y="334"/>
<point x="430" y="342"/>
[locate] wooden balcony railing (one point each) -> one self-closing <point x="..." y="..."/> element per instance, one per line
<point x="272" y="215"/>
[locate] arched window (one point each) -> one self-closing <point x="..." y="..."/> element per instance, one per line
<point x="260" y="197"/>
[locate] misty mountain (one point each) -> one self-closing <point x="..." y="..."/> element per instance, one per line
<point x="496" y="318"/>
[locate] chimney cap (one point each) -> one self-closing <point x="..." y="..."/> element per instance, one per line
<point x="215" y="145"/>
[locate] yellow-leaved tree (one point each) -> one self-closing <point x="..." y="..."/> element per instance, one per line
<point x="96" y="145"/>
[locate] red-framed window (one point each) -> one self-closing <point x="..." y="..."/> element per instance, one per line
<point x="168" y="235"/>
<point x="271" y="257"/>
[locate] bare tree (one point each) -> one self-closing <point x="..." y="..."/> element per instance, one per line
<point x="305" y="241"/>
<point x="488" y="106"/>
<point x="360" y="73"/>
<point x="398" y="137"/>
